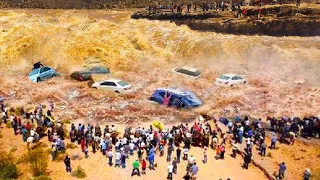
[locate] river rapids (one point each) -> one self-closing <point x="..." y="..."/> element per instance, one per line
<point x="283" y="72"/>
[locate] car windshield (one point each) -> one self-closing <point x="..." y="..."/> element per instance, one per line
<point x="35" y="71"/>
<point x="123" y="83"/>
<point x="224" y="77"/>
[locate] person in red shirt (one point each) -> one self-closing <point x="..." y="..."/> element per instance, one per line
<point x="244" y="12"/>
<point x="259" y="12"/>
<point x="28" y="126"/>
<point x="144" y="166"/>
<point x="19" y="121"/>
<point x="83" y="144"/>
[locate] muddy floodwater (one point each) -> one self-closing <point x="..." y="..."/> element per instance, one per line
<point x="282" y="72"/>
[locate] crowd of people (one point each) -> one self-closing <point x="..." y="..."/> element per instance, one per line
<point x="151" y="143"/>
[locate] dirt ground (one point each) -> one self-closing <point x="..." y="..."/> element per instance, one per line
<point x="96" y="166"/>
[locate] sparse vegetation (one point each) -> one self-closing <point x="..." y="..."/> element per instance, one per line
<point x="8" y="124"/>
<point x="79" y="173"/>
<point x="43" y="177"/>
<point x="318" y="155"/>
<point x="66" y="121"/>
<point x="316" y="174"/>
<point x="269" y="154"/>
<point x="17" y="111"/>
<point x="71" y="146"/>
<point x="59" y="156"/>
<point x="13" y="149"/>
<point x="37" y="157"/>
<point x="8" y="168"/>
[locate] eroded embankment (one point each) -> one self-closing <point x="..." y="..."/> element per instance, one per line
<point x="274" y="21"/>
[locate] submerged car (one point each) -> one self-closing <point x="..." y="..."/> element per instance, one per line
<point x="179" y="98"/>
<point x="42" y="73"/>
<point x="97" y="70"/>
<point x="115" y="85"/>
<point x="85" y="74"/>
<point x="230" y="80"/>
<point x="187" y="72"/>
<point x="81" y="76"/>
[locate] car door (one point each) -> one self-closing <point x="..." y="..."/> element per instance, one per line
<point x="240" y="80"/>
<point x="234" y="80"/>
<point x="108" y="85"/>
<point x="237" y="80"/>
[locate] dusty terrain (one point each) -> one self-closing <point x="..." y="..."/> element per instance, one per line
<point x="282" y="74"/>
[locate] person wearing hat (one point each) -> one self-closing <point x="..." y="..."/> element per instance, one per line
<point x="307" y="174"/>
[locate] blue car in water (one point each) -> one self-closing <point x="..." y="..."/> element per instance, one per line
<point x="42" y="73"/>
<point x="179" y="98"/>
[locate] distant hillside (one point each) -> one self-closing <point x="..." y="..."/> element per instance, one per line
<point x="100" y="4"/>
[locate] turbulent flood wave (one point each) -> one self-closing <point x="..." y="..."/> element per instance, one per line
<point x="144" y="51"/>
<point x="64" y="38"/>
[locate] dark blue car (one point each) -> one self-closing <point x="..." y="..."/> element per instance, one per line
<point x="179" y="98"/>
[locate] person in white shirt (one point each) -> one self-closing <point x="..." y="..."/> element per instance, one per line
<point x="118" y="159"/>
<point x="205" y="156"/>
<point x="131" y="147"/>
<point x="191" y="160"/>
<point x="248" y="142"/>
<point x="110" y="155"/>
<point x="185" y="153"/>
<point x="32" y="133"/>
<point x="188" y="135"/>
<point x="247" y="122"/>
<point x="170" y="170"/>
<point x="142" y="145"/>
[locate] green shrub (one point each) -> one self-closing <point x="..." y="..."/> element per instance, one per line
<point x="17" y="111"/>
<point x="8" y="125"/>
<point x="59" y="157"/>
<point x="269" y="154"/>
<point x="8" y="168"/>
<point x="66" y="121"/>
<point x="42" y="177"/>
<point x="79" y="173"/>
<point x="37" y="157"/>
<point x="13" y="149"/>
<point x="71" y="146"/>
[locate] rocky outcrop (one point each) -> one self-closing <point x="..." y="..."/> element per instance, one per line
<point x="174" y="16"/>
<point x="272" y="27"/>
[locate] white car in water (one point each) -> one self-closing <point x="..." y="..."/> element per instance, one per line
<point x="189" y="72"/>
<point x="115" y="85"/>
<point x="230" y="80"/>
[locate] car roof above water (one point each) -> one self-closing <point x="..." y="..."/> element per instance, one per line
<point x="175" y="91"/>
<point x="229" y="75"/>
<point x="192" y="69"/>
